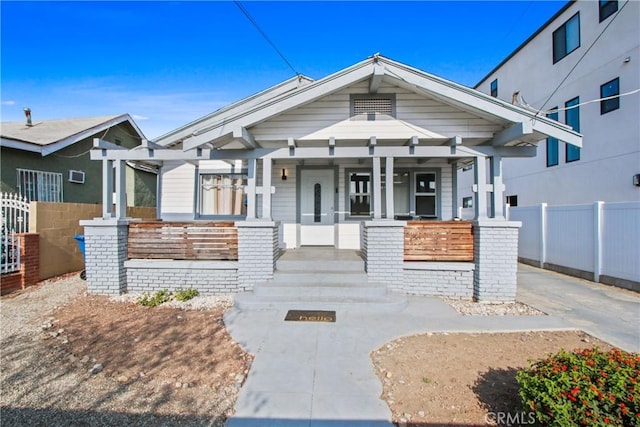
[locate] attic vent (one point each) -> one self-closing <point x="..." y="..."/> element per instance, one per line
<point x="76" y="176"/>
<point x="372" y="106"/>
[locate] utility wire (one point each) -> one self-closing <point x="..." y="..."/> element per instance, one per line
<point x="264" y="35"/>
<point x="582" y="57"/>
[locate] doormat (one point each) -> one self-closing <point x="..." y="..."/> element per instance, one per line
<point x="310" y="316"/>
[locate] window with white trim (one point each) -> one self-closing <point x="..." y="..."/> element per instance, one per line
<point x="222" y="195"/>
<point x="467" y="202"/>
<point x="359" y="193"/>
<point x="40" y="186"/>
<point x="426" y="195"/>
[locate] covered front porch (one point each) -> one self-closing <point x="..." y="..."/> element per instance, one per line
<point x="364" y="159"/>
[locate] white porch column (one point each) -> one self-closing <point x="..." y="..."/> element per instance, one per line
<point x="159" y="192"/>
<point x="251" y="189"/>
<point x="389" y="190"/>
<point x="266" y="188"/>
<point x="107" y="189"/>
<point x="121" y="189"/>
<point x="480" y="202"/>
<point x="376" y="190"/>
<point x="497" y="196"/>
<point x="454" y="188"/>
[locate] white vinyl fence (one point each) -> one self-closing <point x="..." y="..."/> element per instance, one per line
<point x="600" y="238"/>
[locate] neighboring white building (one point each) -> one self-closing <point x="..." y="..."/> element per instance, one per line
<point x="586" y="51"/>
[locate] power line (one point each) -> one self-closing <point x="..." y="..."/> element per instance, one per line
<point x="264" y="35"/>
<point x="582" y="57"/>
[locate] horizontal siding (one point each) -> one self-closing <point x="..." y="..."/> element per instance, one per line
<point x="178" y="187"/>
<point x="411" y="107"/>
<point x="283" y="201"/>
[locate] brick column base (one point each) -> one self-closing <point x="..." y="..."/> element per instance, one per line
<point x="383" y="249"/>
<point x="105" y="243"/>
<point x="496" y="258"/>
<point x="258" y="250"/>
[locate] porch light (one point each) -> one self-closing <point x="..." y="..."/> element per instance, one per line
<point x="284" y="174"/>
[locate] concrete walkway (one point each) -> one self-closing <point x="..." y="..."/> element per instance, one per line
<point x="609" y="313"/>
<point x="320" y="374"/>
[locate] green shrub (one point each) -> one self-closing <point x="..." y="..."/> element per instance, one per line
<point x="183" y="295"/>
<point x="588" y="387"/>
<point x="155" y="299"/>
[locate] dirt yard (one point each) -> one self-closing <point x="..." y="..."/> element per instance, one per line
<point x="459" y="379"/>
<point x="95" y="361"/>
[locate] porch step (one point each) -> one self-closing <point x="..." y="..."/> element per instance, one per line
<point x="305" y="278"/>
<point x="320" y="266"/>
<point x="302" y="290"/>
<point x="391" y="302"/>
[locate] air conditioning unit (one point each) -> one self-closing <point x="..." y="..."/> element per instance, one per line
<point x="76" y="177"/>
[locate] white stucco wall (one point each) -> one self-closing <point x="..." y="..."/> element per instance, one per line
<point x="611" y="152"/>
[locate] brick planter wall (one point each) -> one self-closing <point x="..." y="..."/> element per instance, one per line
<point x="29" y="265"/>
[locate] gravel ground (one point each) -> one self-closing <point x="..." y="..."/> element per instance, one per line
<point x="470" y="308"/>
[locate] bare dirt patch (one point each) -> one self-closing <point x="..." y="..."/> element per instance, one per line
<point x="159" y="366"/>
<point x="458" y="379"/>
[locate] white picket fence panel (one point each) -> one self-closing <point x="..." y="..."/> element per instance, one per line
<point x="600" y="238"/>
<point x="15" y="219"/>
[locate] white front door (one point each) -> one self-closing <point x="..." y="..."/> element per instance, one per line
<point x="317" y="199"/>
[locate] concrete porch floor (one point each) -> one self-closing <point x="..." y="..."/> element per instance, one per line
<point x="320" y="253"/>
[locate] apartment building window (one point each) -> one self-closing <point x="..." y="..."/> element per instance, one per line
<point x="572" y="118"/>
<point x="611" y="88"/>
<point x="40" y="186"/>
<point x="512" y="201"/>
<point x="467" y="202"/>
<point x="552" y="143"/>
<point x="494" y="88"/>
<point x="607" y="8"/>
<point x="566" y="39"/>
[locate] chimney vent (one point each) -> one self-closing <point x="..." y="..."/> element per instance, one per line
<point x="27" y="114"/>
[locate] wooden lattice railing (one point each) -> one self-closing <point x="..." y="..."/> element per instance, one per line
<point x="183" y="240"/>
<point x="438" y="241"/>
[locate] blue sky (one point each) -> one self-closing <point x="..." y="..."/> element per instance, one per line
<point x="168" y="63"/>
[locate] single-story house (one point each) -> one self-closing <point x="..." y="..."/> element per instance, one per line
<point x="48" y="160"/>
<point x="364" y="159"/>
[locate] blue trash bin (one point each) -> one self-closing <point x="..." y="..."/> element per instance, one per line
<point x="80" y="239"/>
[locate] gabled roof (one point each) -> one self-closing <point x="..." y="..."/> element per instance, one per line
<point x="185" y="131"/>
<point x="227" y="123"/>
<point x="48" y="136"/>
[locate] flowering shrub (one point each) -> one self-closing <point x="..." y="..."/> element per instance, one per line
<point x="584" y="387"/>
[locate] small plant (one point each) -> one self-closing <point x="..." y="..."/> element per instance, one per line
<point x="183" y="295"/>
<point x="426" y="380"/>
<point x="588" y="387"/>
<point x="155" y="299"/>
